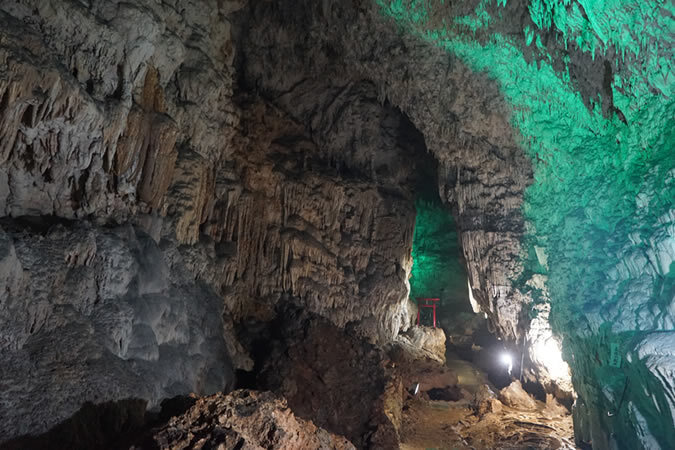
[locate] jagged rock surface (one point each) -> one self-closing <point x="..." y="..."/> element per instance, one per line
<point x="97" y="108"/>
<point x="244" y="420"/>
<point x="327" y="375"/>
<point x="124" y="113"/>
<point x="482" y="172"/>
<point x="94" y="112"/>
<point x="92" y="314"/>
<point x="425" y="342"/>
<point x="515" y="396"/>
<point x="100" y="122"/>
<point x="293" y="225"/>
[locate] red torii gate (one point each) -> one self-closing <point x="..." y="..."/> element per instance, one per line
<point x="428" y="303"/>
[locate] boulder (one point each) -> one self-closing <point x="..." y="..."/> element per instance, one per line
<point x="486" y="401"/>
<point x="424" y="342"/>
<point x="515" y="396"/>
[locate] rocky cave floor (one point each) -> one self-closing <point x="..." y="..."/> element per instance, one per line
<point x="321" y="388"/>
<point x="483" y="417"/>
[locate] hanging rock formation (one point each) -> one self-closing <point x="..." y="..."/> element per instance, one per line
<point x="147" y="209"/>
<point x="567" y="134"/>
<point x="482" y="171"/>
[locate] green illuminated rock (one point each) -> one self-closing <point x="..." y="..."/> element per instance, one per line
<point x="437" y="270"/>
<point x="590" y="86"/>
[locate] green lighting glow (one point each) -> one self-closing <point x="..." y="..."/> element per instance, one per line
<point x="437" y="269"/>
<point x="588" y="169"/>
<point x="601" y="184"/>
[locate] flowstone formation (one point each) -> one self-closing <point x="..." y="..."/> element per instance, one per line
<point x="94" y="315"/>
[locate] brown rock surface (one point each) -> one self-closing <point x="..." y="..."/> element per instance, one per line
<point x="285" y="223"/>
<point x="327" y="375"/>
<point x="515" y="396"/>
<point x="244" y="420"/>
<point x="415" y="368"/>
<point x="481" y="421"/>
<point x="427" y="341"/>
<point x="486" y="401"/>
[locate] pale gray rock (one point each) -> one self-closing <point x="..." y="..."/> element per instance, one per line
<point x="657" y="352"/>
<point x="424" y="342"/>
<point x="92" y="314"/>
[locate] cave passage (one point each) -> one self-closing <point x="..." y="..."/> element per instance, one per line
<point x="215" y="220"/>
<point x="438" y="270"/>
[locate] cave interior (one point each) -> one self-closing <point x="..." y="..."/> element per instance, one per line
<point x="218" y="219"/>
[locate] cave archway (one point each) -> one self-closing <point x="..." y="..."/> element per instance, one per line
<point x="335" y="83"/>
<point x="252" y="170"/>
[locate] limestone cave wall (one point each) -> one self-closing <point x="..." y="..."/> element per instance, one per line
<point x="147" y="209"/>
<point x="170" y="170"/>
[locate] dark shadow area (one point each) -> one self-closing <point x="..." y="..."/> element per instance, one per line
<point x="446" y="394"/>
<point x="107" y="426"/>
<point x="35" y="224"/>
<point x="327" y="375"/>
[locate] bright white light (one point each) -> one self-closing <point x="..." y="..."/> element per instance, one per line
<point x="507" y="361"/>
<point x="474" y="304"/>
<point x="547" y="352"/>
<point x="544" y="351"/>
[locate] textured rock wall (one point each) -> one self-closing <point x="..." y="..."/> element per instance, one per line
<point x="482" y="173"/>
<point x="97" y="116"/>
<point x="586" y="107"/>
<point x="98" y="314"/>
<point x="142" y="202"/>
<point x="332" y="240"/>
<point x="122" y="116"/>
<point x="98" y="99"/>
<point x="327" y="374"/>
<point x="591" y="95"/>
<point x="244" y="419"/>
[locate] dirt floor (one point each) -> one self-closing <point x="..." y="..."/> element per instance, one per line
<point x="478" y="420"/>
